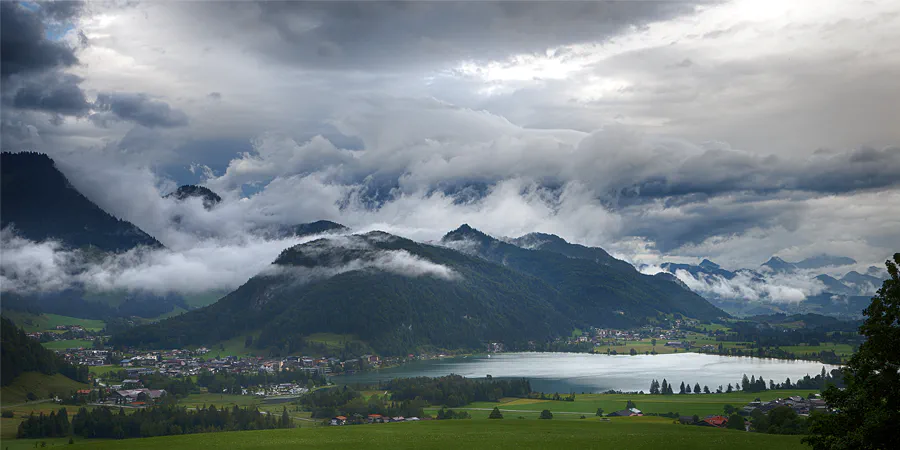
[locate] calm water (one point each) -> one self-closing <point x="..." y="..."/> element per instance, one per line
<point x="579" y="372"/>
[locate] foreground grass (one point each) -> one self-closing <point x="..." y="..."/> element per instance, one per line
<point x="632" y="433"/>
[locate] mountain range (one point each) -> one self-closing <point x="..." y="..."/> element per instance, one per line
<point x="392" y="293"/>
<point x="746" y="291"/>
<point x="397" y="295"/>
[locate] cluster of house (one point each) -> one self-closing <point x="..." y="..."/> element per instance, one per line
<point x="802" y="406"/>
<point x="669" y="337"/>
<point x="629" y="412"/>
<point x="137" y="397"/>
<point x="62" y="332"/>
<point x="85" y="356"/>
<point x="276" y="390"/>
<point x="373" y="418"/>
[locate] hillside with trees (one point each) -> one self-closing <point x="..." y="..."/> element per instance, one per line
<point x="592" y="285"/>
<point x="355" y="285"/>
<point x="20" y="354"/>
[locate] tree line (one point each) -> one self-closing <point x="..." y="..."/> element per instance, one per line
<point x="161" y="420"/>
<point x="345" y="401"/>
<point x="455" y="390"/>
<point x="19" y="354"/>
<point x="753" y="384"/>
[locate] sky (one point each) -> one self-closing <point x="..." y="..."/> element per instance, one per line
<point x="658" y="130"/>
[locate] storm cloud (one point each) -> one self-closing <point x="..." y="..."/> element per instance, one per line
<point x="25" y="47"/>
<point x="660" y="131"/>
<point x="138" y="108"/>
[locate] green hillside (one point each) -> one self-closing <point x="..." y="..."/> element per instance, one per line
<point x="373" y="286"/>
<point x="31" y="322"/>
<point x="41" y="385"/>
<point x="632" y="433"/>
<point x="593" y="286"/>
<point x="20" y="354"/>
<point x="393" y="313"/>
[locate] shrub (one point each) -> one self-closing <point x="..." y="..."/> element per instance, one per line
<point x="546" y="414"/>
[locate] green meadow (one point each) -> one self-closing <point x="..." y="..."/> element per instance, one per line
<point x="69" y="343"/>
<point x="48" y="322"/>
<point x="39" y="384"/>
<point x="587" y="404"/>
<point x="632" y="433"/>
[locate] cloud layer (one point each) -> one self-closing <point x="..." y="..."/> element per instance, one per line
<point x="661" y="131"/>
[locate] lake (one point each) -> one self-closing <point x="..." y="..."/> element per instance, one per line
<point x="581" y="372"/>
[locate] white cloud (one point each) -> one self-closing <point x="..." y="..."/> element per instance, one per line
<point x="775" y="288"/>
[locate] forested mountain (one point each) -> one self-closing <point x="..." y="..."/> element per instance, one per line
<point x="398" y="295"/>
<point x="19" y="354"/>
<point x="39" y="202"/>
<point x="210" y="198"/>
<point x="595" y="286"/>
<point x="304" y="229"/>
<point x="391" y="292"/>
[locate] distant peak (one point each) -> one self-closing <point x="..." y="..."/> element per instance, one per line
<point x="707" y="264"/>
<point x="466" y="232"/>
<point x="210" y="198"/>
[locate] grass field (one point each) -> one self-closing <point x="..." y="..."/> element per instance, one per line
<point x="842" y="350"/>
<point x="41" y="385"/>
<point x="47" y="322"/>
<point x="232" y="347"/>
<point x="197" y="400"/>
<point x="587" y="404"/>
<point x="99" y="371"/>
<point x="643" y="346"/>
<point x="68" y="343"/>
<point x="631" y="433"/>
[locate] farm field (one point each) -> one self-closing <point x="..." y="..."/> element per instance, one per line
<point x="587" y="404"/>
<point x="634" y="433"/>
<point x="46" y="322"/>
<point x="69" y="343"/>
<point x="39" y="384"/>
<point x="842" y="350"/>
<point x="99" y="371"/>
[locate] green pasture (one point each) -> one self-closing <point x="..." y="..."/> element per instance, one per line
<point x="632" y="433"/>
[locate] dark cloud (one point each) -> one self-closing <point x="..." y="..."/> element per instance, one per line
<point x="137" y="108"/>
<point x="696" y="222"/>
<point x="53" y="92"/>
<point x="61" y="10"/>
<point x="24" y="46"/>
<point x="375" y="34"/>
<point x="717" y="172"/>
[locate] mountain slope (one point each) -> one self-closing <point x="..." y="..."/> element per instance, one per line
<point x="834" y="285"/>
<point x="611" y="293"/>
<point x="393" y="293"/>
<point x="301" y="230"/>
<point x="778" y="265"/>
<point x="20" y="354"/>
<point x="41" y="204"/>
